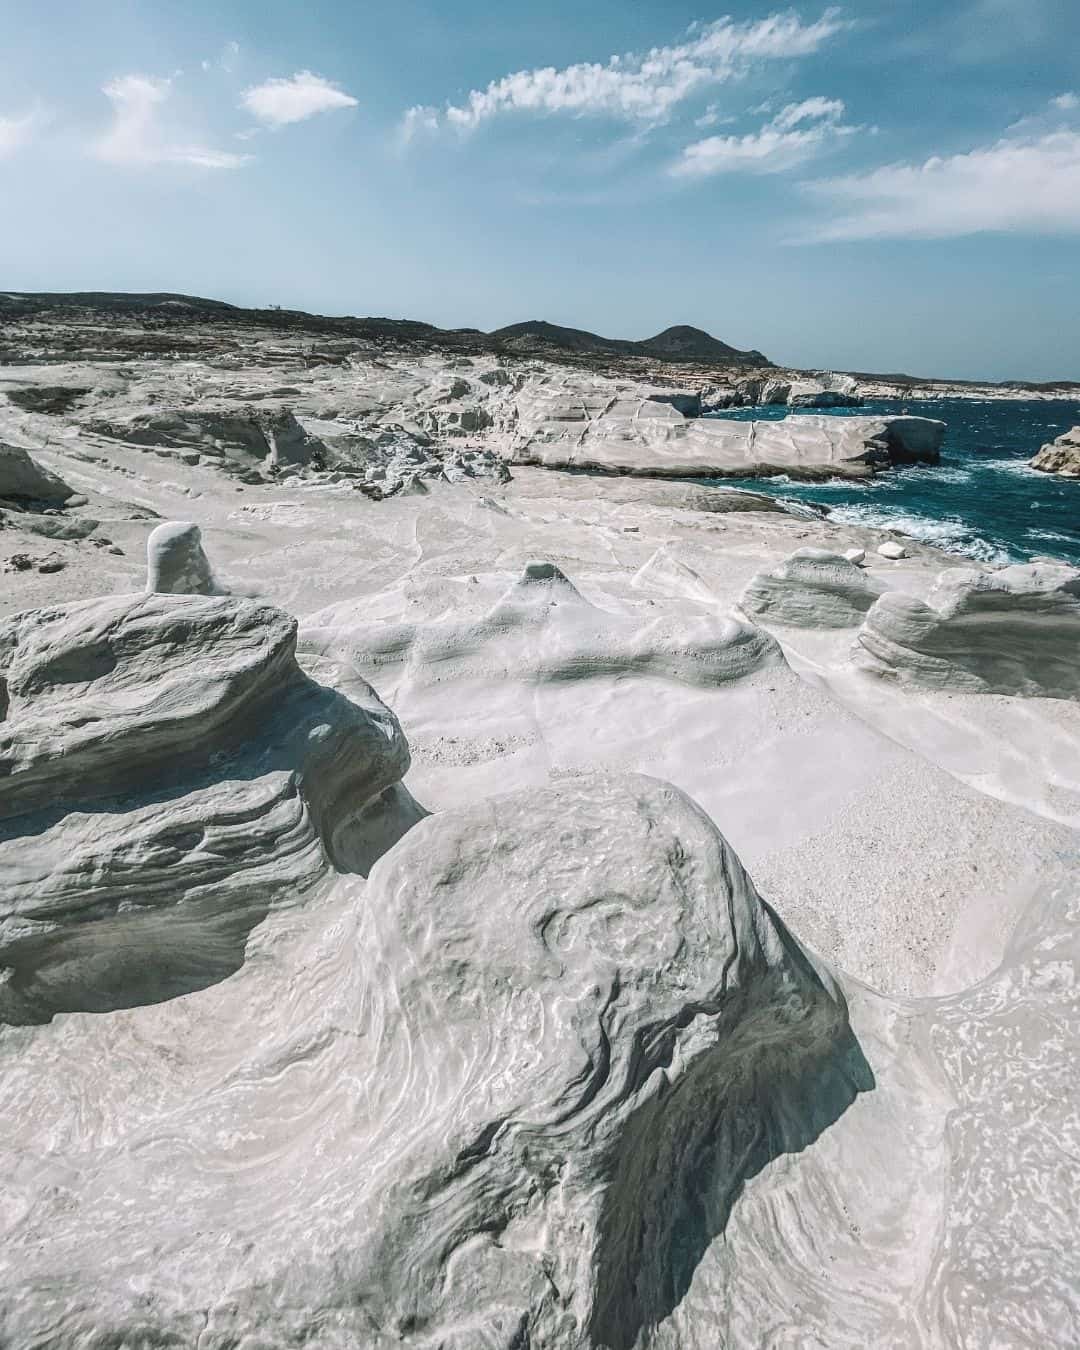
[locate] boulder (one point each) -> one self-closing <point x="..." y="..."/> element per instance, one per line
<point x="22" y="478"/>
<point x="812" y="589"/>
<point x="175" y="561"/>
<point x="1061" y="456"/>
<point x="1014" y="631"/>
<point x="54" y="526"/>
<point x="892" y="549"/>
<point x="855" y="555"/>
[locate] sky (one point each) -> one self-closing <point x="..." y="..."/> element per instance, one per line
<point x="887" y="185"/>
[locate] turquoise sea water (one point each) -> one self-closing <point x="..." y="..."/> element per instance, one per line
<point x="981" y="500"/>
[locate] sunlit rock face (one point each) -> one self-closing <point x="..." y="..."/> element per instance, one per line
<point x="544" y="629"/>
<point x="1014" y="631"/>
<point x="1060" y="456"/>
<point x="169" y="772"/>
<point x="546" y="1046"/>
<point x="592" y="424"/>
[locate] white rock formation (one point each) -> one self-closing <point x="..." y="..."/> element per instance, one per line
<point x="855" y="555"/>
<point x="811" y="589"/>
<point x="544" y="629"/>
<point x="244" y="439"/>
<point x="1014" y="631"/>
<point x="530" y="1069"/>
<point x="583" y="425"/>
<point x="23" y="478"/>
<point x="892" y="549"/>
<point x="176" y="563"/>
<point x="165" y="753"/>
<point x="1061" y="456"/>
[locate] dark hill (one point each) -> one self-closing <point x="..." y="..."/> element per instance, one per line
<point x="681" y="343"/>
<point x="163" y="312"/>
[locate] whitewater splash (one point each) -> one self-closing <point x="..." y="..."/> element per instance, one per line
<point x="983" y="501"/>
<point x="951" y="536"/>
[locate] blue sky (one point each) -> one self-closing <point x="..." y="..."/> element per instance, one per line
<point x="887" y="185"/>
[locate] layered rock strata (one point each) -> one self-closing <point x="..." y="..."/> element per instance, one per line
<point x="811" y="589"/>
<point x="1014" y="631"/>
<point x="165" y="752"/>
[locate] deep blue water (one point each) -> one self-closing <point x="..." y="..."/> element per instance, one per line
<point x="982" y="500"/>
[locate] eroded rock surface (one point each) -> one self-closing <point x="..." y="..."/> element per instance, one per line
<point x="1015" y="631"/>
<point x="812" y="589"/>
<point x="547" y="1048"/>
<point x="165" y="752"/>
<point x="599" y="426"/>
<point x="544" y="629"/>
<point x="1061" y="456"/>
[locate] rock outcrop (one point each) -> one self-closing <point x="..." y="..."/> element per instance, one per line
<point x="22" y="478"/>
<point x="1061" y="456"/>
<point x="241" y="440"/>
<point x="825" y="391"/>
<point x="544" y="629"/>
<point x="1015" y="631"/>
<point x="165" y="753"/>
<point x="578" y="425"/>
<point x="811" y="589"/>
<point x="522" y="1081"/>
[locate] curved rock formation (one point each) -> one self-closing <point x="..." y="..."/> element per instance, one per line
<point x="165" y="752"/>
<point x="176" y="563"/>
<point x="522" y="1080"/>
<point x="1061" y="456"/>
<point x="1016" y="631"/>
<point x="544" y="629"/>
<point x="812" y="589"/>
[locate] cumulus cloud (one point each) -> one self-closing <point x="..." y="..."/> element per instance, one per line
<point x="136" y="137"/>
<point x="795" y="134"/>
<point x="15" y="132"/>
<point x="1066" y="102"/>
<point x="639" y="87"/>
<point x="1019" y="184"/>
<point x="281" y="101"/>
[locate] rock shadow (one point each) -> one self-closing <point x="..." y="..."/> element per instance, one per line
<point x="686" y="1154"/>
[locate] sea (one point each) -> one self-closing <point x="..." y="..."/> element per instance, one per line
<point x="981" y="501"/>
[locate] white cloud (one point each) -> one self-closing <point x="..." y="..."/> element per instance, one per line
<point x="643" y="87"/>
<point x="136" y="137"/>
<point x="15" y="132"/>
<point x="809" y="110"/>
<point x="794" y="135"/>
<point x="281" y="101"/>
<point x="1019" y="184"/>
<point x="1066" y="102"/>
<point x="417" y="121"/>
<point x="226" y="61"/>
